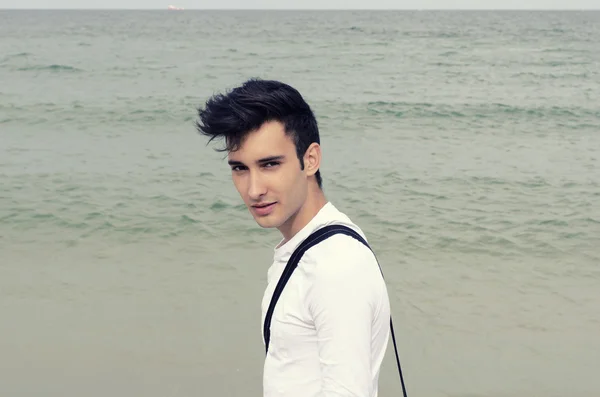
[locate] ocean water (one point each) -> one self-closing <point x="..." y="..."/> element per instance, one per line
<point x="465" y="144"/>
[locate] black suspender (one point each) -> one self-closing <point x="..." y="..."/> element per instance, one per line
<point x="313" y="239"/>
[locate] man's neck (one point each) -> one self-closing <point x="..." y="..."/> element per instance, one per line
<point x="315" y="201"/>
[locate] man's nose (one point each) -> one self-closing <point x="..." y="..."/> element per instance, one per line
<point x="256" y="186"/>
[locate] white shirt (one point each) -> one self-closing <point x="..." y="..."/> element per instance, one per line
<point x="331" y="324"/>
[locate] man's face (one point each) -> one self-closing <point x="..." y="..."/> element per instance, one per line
<point x="266" y="172"/>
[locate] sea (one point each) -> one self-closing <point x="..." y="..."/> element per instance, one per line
<point x="466" y="145"/>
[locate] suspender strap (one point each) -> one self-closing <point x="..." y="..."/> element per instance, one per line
<point x="313" y="239"/>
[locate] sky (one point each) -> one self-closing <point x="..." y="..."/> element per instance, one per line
<point x="303" y="4"/>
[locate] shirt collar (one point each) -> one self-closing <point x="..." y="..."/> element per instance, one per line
<point x="323" y="217"/>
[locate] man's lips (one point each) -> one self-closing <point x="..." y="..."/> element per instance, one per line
<point x="263" y="205"/>
<point x="264" y="209"/>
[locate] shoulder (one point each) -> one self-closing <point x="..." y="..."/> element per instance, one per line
<point x="341" y="258"/>
<point x="340" y="246"/>
<point x="341" y="272"/>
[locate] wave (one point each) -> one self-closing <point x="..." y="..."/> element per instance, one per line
<point x="84" y="114"/>
<point x="19" y="55"/>
<point x="182" y="110"/>
<point x="52" y="68"/>
<point x="476" y="110"/>
<point x="553" y="76"/>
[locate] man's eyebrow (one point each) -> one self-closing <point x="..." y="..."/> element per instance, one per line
<point x="271" y="158"/>
<point x="259" y="161"/>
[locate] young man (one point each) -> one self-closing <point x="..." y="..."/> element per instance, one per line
<point x="330" y="327"/>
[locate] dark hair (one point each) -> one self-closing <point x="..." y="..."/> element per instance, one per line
<point x="245" y="108"/>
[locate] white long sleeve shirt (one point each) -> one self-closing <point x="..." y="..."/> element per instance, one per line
<point x="330" y="327"/>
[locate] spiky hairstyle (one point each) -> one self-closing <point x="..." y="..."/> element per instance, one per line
<point x="233" y="115"/>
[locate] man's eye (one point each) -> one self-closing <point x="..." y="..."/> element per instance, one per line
<point x="271" y="164"/>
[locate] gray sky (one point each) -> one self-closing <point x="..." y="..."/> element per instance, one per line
<point x="312" y="4"/>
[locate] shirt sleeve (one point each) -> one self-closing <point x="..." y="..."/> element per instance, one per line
<point x="343" y="300"/>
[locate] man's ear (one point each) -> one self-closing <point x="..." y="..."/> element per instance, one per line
<point x="312" y="159"/>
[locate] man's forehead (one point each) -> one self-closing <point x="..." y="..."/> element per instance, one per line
<point x="269" y="140"/>
<point x="267" y="131"/>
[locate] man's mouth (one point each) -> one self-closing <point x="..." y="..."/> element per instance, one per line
<point x="264" y="208"/>
<point x="262" y="205"/>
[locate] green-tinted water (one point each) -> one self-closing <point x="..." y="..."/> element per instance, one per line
<point x="465" y="144"/>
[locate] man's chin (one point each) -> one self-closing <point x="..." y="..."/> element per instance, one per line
<point x="266" y="223"/>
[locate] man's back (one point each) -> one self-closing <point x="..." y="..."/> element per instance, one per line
<point x="330" y="327"/>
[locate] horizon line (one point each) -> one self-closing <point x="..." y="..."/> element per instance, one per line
<point x="301" y="9"/>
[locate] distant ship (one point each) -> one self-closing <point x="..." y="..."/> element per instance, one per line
<point x="174" y="8"/>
